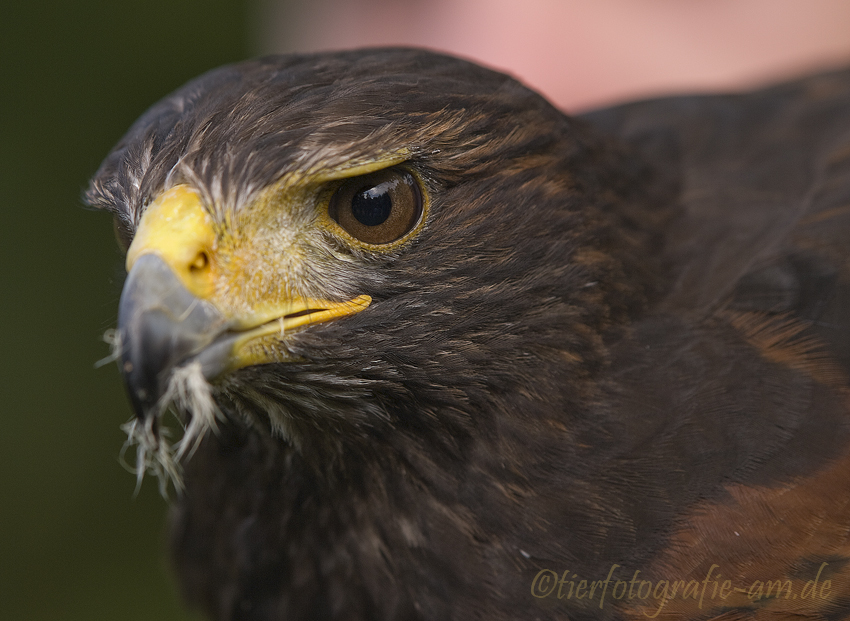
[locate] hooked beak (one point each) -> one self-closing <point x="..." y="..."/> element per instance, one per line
<point x="162" y="326"/>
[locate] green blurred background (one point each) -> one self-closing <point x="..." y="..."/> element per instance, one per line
<point x="74" y="541"/>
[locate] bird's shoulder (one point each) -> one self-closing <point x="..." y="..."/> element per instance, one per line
<point x="733" y="388"/>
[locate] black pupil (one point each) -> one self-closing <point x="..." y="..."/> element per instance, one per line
<point x="372" y="206"/>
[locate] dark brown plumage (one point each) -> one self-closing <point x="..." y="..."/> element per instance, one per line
<point x="616" y="340"/>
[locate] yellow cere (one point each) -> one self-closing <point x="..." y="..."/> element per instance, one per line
<point x="178" y="229"/>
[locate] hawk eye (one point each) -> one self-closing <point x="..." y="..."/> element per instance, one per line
<point x="377" y="208"/>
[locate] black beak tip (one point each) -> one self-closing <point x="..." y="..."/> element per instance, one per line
<point x="162" y="325"/>
<point x="141" y="390"/>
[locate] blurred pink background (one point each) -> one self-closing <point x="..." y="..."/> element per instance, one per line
<point x="584" y="53"/>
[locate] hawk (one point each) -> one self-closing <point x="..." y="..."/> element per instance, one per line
<point x="441" y="351"/>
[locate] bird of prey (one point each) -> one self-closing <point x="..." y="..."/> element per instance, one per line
<point x="443" y="352"/>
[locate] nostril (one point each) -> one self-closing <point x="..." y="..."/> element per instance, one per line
<point x="200" y="262"/>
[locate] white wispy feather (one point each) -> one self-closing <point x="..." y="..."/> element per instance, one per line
<point x="189" y="397"/>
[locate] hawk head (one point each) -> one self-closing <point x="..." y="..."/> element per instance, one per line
<point x="338" y="248"/>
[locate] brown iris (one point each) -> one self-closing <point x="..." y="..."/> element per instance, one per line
<point x="378" y="208"/>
